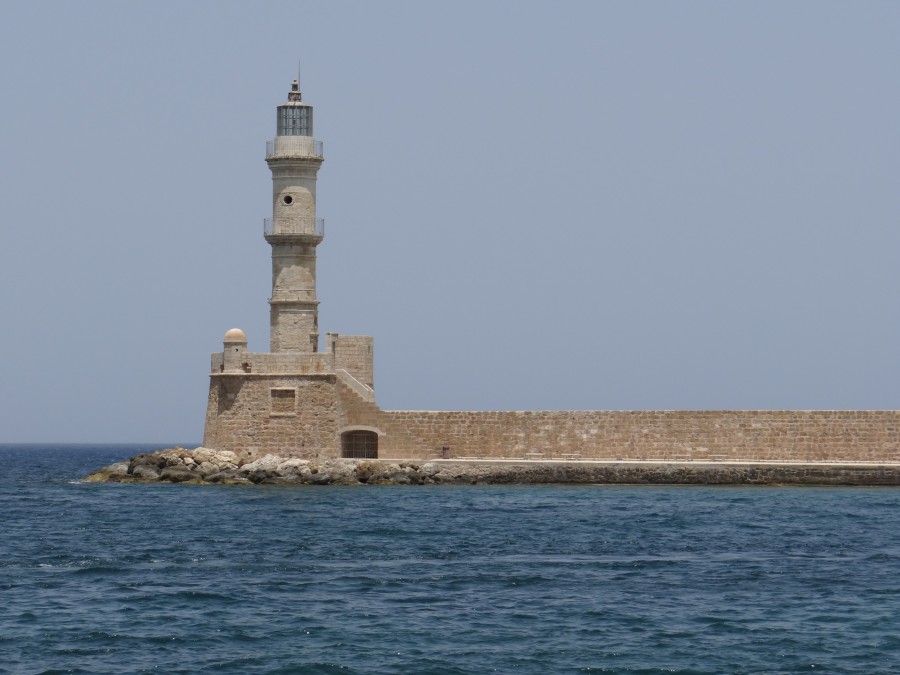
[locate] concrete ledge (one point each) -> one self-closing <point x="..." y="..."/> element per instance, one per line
<point x="833" y="463"/>
<point x="636" y="472"/>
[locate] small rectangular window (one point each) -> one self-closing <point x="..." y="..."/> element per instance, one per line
<point x="283" y="401"/>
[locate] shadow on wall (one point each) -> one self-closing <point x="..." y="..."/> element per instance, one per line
<point x="228" y="392"/>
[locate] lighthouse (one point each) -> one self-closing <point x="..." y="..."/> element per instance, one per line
<point x="294" y="400"/>
<point x="294" y="230"/>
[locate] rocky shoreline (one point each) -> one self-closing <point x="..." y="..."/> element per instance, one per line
<point x="205" y="466"/>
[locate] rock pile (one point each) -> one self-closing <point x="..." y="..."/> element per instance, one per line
<point x="203" y="465"/>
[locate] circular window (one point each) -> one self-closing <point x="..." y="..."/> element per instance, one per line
<point x="288" y="200"/>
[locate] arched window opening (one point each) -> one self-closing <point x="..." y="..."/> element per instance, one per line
<point x="359" y="445"/>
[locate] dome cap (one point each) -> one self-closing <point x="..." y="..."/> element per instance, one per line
<point x="235" y="335"/>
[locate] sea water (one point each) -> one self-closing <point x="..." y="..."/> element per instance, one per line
<point x="166" y="578"/>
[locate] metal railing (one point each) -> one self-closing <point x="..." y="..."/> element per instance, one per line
<point x="314" y="226"/>
<point x="359" y="445"/>
<point x="293" y="146"/>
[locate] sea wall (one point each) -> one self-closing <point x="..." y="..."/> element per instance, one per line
<point x="204" y="465"/>
<point x="719" y="435"/>
<point x="305" y="415"/>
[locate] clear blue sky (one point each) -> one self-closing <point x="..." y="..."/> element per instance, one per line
<point x="530" y="205"/>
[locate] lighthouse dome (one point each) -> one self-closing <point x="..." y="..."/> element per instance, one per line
<point x="235" y="335"/>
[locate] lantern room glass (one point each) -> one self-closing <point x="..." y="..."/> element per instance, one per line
<point x="295" y="120"/>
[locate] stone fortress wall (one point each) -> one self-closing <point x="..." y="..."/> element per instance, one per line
<point x="300" y="405"/>
<point x="768" y="435"/>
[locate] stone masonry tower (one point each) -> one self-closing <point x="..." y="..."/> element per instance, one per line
<point x="294" y="400"/>
<point x="294" y="158"/>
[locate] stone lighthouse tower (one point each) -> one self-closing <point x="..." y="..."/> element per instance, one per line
<point x="294" y="231"/>
<point x="294" y="400"/>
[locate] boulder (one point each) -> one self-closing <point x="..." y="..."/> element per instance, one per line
<point x="264" y="463"/>
<point x="177" y="474"/>
<point x="151" y="460"/>
<point x="145" y="472"/>
<point x="291" y="467"/>
<point x="227" y="478"/>
<point x="341" y="472"/>
<point x="202" y="454"/>
<point x="208" y="468"/>
<point x="386" y="473"/>
<point x="366" y="471"/>
<point x="114" y="473"/>
<point x="171" y="458"/>
<point x="219" y="457"/>
<point x="117" y="469"/>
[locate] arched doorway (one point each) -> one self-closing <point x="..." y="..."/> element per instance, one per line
<point x="359" y="444"/>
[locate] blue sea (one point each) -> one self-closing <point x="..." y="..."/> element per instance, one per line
<point x="437" y="579"/>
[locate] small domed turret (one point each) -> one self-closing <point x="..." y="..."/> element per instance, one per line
<point x="235" y="349"/>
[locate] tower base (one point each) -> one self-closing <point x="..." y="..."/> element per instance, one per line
<point x="300" y="405"/>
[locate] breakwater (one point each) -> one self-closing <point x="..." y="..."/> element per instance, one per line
<point x="205" y="466"/>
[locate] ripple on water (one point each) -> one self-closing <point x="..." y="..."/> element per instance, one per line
<point x="450" y="580"/>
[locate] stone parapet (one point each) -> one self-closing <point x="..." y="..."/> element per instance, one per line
<point x="291" y="363"/>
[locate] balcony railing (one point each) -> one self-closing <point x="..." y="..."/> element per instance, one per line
<point x="313" y="226"/>
<point x="294" y="146"/>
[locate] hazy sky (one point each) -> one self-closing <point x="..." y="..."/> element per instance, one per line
<point x="530" y="205"/>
